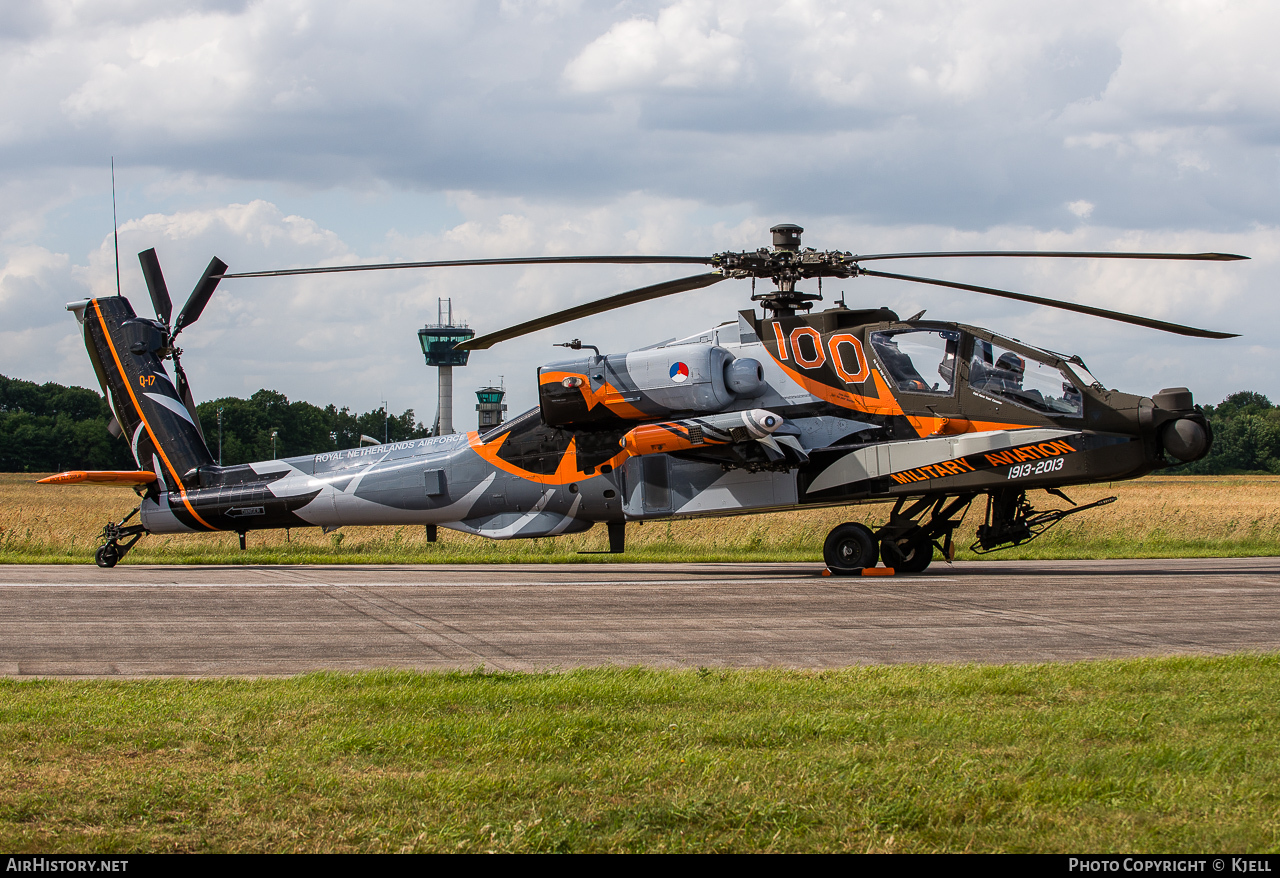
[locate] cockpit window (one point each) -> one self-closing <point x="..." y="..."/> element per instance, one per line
<point x="919" y="360"/>
<point x="1080" y="372"/>
<point x="1009" y="375"/>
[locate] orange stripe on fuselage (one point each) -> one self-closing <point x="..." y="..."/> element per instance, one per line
<point x="592" y="398"/>
<point x="887" y="404"/>
<point x="566" y="471"/>
<point x="928" y="425"/>
<point x="177" y="480"/>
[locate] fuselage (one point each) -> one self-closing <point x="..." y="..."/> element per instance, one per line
<point x="754" y="415"/>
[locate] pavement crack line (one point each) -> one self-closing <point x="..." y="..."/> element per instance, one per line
<point x="435" y="640"/>
<point x="456" y="635"/>
<point x="1094" y="630"/>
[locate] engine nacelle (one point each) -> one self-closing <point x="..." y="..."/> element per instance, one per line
<point x="642" y="385"/>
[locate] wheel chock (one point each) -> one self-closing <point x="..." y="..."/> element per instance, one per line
<point x="864" y="571"/>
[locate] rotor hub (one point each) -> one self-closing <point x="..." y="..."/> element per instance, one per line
<point x="785" y="265"/>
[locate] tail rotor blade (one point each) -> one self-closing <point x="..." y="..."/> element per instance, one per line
<point x="200" y="295"/>
<point x="184" y="392"/>
<point x="155" y="285"/>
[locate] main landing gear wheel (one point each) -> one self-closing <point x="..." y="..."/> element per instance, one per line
<point x="912" y="558"/>
<point x="849" y="548"/>
<point x="107" y="555"/>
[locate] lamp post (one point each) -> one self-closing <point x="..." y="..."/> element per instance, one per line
<point x="219" y="435"/>
<point x="274" y="433"/>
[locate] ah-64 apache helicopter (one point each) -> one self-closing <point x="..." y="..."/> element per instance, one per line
<point x="766" y="412"/>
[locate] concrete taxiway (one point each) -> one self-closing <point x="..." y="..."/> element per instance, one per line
<point x="202" y="621"/>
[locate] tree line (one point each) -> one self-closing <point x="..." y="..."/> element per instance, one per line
<point x="50" y="428"/>
<point x="1246" y="437"/>
<point x="299" y="427"/>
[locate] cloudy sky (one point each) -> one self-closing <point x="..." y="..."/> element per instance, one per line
<point x="286" y="133"/>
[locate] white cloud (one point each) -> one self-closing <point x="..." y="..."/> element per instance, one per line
<point x="1081" y="208"/>
<point x="1199" y="57"/>
<point x="257" y="131"/>
<point x="31" y="280"/>
<point x="1193" y="77"/>
<point x="38" y="340"/>
<point x="350" y="338"/>
<point x="683" y="48"/>
<point x="916" y="109"/>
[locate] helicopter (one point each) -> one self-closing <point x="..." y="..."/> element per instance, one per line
<point x="773" y="410"/>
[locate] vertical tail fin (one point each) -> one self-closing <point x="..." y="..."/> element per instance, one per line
<point x="126" y="354"/>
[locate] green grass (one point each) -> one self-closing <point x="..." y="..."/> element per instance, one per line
<point x="1148" y="755"/>
<point x="222" y="549"/>
<point x="1183" y="516"/>
<point x="771" y="538"/>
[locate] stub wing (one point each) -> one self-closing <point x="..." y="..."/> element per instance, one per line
<point x="100" y="477"/>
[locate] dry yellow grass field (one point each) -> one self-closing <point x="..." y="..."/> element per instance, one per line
<point x="1153" y="517"/>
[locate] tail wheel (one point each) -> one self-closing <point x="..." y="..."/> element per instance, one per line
<point x="849" y="548"/>
<point x="914" y="557"/>
<point x="107" y="556"/>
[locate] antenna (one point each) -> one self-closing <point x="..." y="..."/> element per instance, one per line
<point x="115" y="224"/>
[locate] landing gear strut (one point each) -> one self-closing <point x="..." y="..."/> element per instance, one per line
<point x="112" y="549"/>
<point x="906" y="542"/>
<point x="909" y="537"/>
<point x="1012" y="520"/>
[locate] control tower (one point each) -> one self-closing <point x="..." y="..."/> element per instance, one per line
<point x="491" y="407"/>
<point x="437" y="340"/>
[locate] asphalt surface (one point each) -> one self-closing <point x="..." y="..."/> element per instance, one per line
<point x="258" y="621"/>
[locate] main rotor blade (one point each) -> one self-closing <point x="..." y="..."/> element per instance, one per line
<point x="200" y="295"/>
<point x="631" y="297"/>
<point x="1085" y="254"/>
<point x="1065" y="306"/>
<point x="156" y="286"/>
<point x="522" y="260"/>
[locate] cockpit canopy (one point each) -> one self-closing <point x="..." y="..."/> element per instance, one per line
<point x="924" y="361"/>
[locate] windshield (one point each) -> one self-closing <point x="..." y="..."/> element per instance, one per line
<point x="1084" y="375"/>
<point x="1006" y="374"/>
<point x="919" y="360"/>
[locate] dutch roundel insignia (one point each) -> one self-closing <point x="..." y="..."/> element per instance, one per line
<point x="679" y="373"/>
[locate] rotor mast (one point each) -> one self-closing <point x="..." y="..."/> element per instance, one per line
<point x="786" y="264"/>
